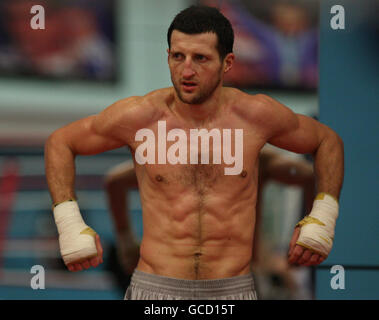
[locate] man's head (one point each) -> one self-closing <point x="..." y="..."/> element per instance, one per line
<point x="202" y="19"/>
<point x="200" y="41"/>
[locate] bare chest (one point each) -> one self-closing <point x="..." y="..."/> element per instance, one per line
<point x="172" y="154"/>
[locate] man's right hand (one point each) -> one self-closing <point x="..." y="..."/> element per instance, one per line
<point x="90" y="262"/>
<point x="79" y="244"/>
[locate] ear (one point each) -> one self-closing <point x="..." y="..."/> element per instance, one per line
<point x="168" y="54"/>
<point x="228" y="62"/>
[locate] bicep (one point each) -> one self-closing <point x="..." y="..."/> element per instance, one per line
<point x="86" y="137"/>
<point x="304" y="135"/>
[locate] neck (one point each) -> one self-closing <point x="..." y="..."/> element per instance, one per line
<point x="198" y="114"/>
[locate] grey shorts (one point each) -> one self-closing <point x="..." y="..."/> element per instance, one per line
<point x="146" y="286"/>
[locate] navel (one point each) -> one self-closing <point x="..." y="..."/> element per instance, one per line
<point x="159" y="178"/>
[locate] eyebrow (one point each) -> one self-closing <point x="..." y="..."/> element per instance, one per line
<point x="206" y="54"/>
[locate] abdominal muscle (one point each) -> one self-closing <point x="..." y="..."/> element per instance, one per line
<point x="192" y="235"/>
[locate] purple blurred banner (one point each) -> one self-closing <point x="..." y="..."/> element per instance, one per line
<point x="276" y="43"/>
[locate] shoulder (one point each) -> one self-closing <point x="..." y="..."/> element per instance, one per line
<point x="260" y="104"/>
<point x="134" y="112"/>
<point x="266" y="112"/>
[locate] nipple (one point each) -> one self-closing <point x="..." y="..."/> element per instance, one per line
<point x="243" y="173"/>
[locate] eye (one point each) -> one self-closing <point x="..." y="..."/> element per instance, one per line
<point x="177" y="55"/>
<point x="201" y="58"/>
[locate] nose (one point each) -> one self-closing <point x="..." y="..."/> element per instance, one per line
<point x="188" y="71"/>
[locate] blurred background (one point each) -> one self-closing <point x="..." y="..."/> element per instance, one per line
<point x="93" y="53"/>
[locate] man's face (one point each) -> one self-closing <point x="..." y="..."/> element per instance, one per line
<point x="195" y="66"/>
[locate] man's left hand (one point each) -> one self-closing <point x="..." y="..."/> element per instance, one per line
<point x="299" y="255"/>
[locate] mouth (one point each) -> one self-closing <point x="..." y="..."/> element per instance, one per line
<point x="189" y="86"/>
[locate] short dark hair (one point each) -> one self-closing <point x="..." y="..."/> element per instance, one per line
<point x="201" y="19"/>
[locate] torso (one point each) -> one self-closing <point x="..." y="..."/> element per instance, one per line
<point x="198" y="223"/>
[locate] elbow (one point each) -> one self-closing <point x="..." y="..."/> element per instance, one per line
<point x="337" y="139"/>
<point x="329" y="140"/>
<point x="330" y="135"/>
<point x="51" y="141"/>
<point x="57" y="141"/>
<point x="334" y="142"/>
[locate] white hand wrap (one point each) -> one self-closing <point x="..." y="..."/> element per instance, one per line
<point x="317" y="229"/>
<point x="76" y="239"/>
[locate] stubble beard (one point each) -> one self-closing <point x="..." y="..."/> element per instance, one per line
<point x="201" y="96"/>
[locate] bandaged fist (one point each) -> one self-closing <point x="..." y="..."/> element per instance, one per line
<point x="89" y="262"/>
<point x="313" y="236"/>
<point x="300" y="255"/>
<point x="79" y="244"/>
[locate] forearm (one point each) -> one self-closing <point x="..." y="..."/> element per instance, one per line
<point x="60" y="169"/>
<point x="329" y="165"/>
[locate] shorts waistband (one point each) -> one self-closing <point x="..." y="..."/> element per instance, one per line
<point x="185" y="287"/>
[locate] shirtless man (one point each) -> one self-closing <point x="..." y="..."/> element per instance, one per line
<point x="198" y="221"/>
<point x="273" y="166"/>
